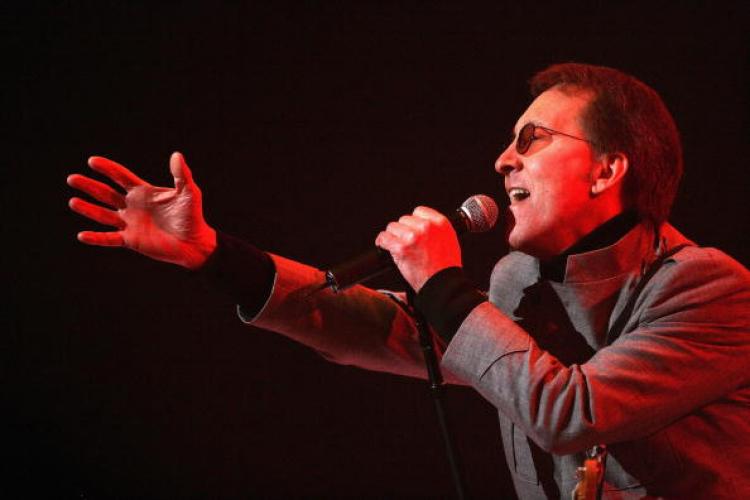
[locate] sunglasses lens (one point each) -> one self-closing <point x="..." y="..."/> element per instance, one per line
<point x="525" y="136"/>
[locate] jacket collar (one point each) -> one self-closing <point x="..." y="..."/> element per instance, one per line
<point x="633" y="251"/>
<point x="605" y="235"/>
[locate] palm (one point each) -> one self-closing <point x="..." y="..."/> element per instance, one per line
<point x="162" y="223"/>
<point x="155" y="219"/>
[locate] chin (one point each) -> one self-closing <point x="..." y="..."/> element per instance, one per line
<point x="528" y="244"/>
<point x="518" y="241"/>
<point x="514" y="243"/>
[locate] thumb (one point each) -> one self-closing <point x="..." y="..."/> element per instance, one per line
<point x="180" y="171"/>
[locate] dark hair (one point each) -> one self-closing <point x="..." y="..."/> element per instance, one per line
<point x="626" y="115"/>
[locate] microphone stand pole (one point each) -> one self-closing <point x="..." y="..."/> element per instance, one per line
<point x="437" y="390"/>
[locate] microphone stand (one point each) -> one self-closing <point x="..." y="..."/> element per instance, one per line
<point x="437" y="390"/>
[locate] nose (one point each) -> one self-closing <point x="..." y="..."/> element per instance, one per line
<point x="508" y="161"/>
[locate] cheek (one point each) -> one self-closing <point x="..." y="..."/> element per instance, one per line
<point x="554" y="197"/>
<point x="564" y="192"/>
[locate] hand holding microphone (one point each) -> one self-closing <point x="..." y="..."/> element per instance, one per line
<point x="419" y="244"/>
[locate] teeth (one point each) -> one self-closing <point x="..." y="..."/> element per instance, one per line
<point x="518" y="194"/>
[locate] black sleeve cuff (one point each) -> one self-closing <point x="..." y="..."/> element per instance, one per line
<point x="446" y="299"/>
<point x="241" y="271"/>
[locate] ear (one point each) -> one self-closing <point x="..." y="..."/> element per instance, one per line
<point x="609" y="172"/>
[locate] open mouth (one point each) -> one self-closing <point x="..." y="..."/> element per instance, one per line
<point x="518" y="194"/>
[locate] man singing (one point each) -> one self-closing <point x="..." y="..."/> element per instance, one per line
<point x="603" y="326"/>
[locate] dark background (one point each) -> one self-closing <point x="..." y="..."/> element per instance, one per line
<point x="308" y="126"/>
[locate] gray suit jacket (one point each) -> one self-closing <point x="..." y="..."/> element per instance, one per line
<point x="670" y="397"/>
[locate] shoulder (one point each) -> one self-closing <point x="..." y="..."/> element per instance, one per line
<point x="700" y="283"/>
<point x="696" y="263"/>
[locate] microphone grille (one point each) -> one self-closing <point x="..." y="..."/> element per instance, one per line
<point x="481" y="212"/>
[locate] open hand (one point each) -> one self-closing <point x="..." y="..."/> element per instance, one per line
<point x="162" y="223"/>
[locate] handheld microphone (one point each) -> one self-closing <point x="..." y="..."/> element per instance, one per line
<point x="476" y="215"/>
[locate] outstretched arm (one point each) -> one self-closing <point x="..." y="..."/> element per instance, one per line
<point x="163" y="223"/>
<point x="359" y="327"/>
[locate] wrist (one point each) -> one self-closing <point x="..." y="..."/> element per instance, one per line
<point x="446" y="299"/>
<point x="420" y="281"/>
<point x="201" y="249"/>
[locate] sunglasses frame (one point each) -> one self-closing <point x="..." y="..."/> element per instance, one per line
<point x="529" y="136"/>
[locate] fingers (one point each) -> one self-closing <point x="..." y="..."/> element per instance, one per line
<point x="116" y="172"/>
<point x="96" y="213"/>
<point x="419" y="221"/>
<point x="387" y="241"/>
<point x="399" y="234"/>
<point x="180" y="171"/>
<point x="410" y="228"/>
<point x="430" y="214"/>
<point x="406" y="228"/>
<point x="97" y="190"/>
<point x="101" y="239"/>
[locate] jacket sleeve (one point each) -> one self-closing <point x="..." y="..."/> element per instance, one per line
<point x="360" y="326"/>
<point x="686" y="344"/>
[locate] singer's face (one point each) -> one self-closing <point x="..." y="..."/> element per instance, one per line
<point x="549" y="185"/>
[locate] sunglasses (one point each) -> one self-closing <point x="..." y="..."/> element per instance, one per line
<point x="526" y="136"/>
